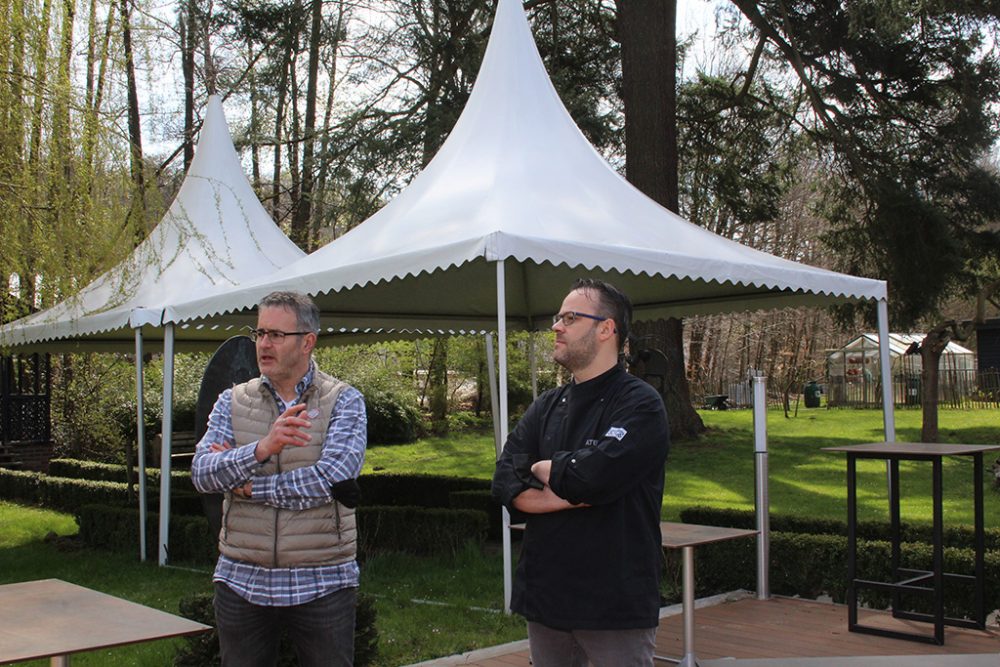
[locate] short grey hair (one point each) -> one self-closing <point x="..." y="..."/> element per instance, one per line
<point x="306" y="312"/>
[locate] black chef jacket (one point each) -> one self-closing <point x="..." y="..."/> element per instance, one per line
<point x="594" y="567"/>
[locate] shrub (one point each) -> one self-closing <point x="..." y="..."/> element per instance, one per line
<point x="481" y="500"/>
<point x="202" y="649"/>
<point x="415" y="530"/>
<point x="418" y="490"/>
<point x="391" y="418"/>
<point x="418" y="530"/>
<point x="954" y="536"/>
<point x="117" y="529"/>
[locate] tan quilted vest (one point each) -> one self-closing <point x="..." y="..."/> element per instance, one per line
<point x="273" y="537"/>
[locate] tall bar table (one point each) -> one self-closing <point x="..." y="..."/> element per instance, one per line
<point x="907" y="580"/>
<point x="687" y="536"/>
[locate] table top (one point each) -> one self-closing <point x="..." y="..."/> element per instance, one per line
<point x="49" y="617"/>
<point x="913" y="449"/>
<point x="677" y="535"/>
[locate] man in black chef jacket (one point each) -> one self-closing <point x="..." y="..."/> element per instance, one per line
<point x="584" y="467"/>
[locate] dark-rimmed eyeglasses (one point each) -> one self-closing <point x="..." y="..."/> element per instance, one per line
<point x="571" y="316"/>
<point x="275" y="336"/>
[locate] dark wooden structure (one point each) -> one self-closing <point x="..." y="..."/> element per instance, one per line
<point x="25" y="424"/>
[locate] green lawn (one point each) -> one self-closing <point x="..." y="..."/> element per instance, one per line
<point x="429" y="607"/>
<point x="718" y="469"/>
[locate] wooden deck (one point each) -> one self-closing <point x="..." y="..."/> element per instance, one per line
<point x="775" y="629"/>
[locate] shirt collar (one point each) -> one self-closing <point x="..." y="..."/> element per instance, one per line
<point x="302" y="385"/>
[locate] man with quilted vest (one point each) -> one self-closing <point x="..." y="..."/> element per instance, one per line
<point x="286" y="449"/>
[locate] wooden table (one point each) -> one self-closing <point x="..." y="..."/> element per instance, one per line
<point x="52" y="619"/>
<point x="907" y="580"/>
<point x="687" y="536"/>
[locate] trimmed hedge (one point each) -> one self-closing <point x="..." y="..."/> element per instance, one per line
<point x="810" y="565"/>
<point x="954" y="536"/>
<point x="813" y="565"/>
<point x="59" y="493"/>
<point x="117" y="529"/>
<point x="115" y="472"/>
<point x="410" y="529"/>
<point x="418" y="530"/>
<point x="481" y="500"/>
<point x="67" y="493"/>
<point x="415" y="490"/>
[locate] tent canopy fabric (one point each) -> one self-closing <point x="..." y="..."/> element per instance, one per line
<point x="517" y="181"/>
<point x="215" y="234"/>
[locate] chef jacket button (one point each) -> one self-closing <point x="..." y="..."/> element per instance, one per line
<point x="572" y="460"/>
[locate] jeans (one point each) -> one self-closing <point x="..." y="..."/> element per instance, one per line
<point x="322" y="631"/>
<point x="599" y="648"/>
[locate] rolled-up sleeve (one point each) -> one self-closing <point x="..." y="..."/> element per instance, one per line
<point x="513" y="472"/>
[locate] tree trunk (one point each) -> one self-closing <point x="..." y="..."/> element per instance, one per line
<point x="189" y="20"/>
<point x="931" y="350"/>
<point x="437" y="378"/>
<point x="647" y="29"/>
<point x="303" y="209"/>
<point x="279" y="120"/>
<point x="137" y="212"/>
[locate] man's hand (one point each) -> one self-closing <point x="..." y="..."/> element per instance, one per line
<point x="245" y="491"/>
<point x="286" y="431"/>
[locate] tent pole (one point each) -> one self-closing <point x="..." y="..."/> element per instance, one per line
<point x="168" y="392"/>
<point x="533" y="363"/>
<point x="888" y="402"/>
<point x="491" y="375"/>
<point x="508" y="579"/>
<point x="140" y="435"/>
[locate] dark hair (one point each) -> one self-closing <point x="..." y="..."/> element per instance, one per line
<point x="612" y="303"/>
<point x="306" y="312"/>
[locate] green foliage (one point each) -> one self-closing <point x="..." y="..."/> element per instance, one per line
<point x="418" y="530"/>
<point x="902" y="100"/>
<point x="414" y="489"/>
<point x="962" y="537"/>
<point x="391" y="418"/>
<point x="117" y="529"/>
<point x="811" y="565"/>
<point x="59" y="492"/>
<point x="481" y="500"/>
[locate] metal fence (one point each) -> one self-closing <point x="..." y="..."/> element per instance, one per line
<point x="957" y="388"/>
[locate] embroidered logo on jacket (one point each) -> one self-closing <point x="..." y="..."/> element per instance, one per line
<point x="616" y="432"/>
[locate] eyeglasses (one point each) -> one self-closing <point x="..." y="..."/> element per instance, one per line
<point x="571" y="316"/>
<point x="275" y="336"/>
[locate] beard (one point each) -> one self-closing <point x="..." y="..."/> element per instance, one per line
<point x="578" y="354"/>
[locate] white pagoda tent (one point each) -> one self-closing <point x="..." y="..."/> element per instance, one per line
<point x="215" y="234"/>
<point x="514" y="206"/>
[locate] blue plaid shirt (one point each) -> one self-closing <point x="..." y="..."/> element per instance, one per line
<point x="342" y="457"/>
